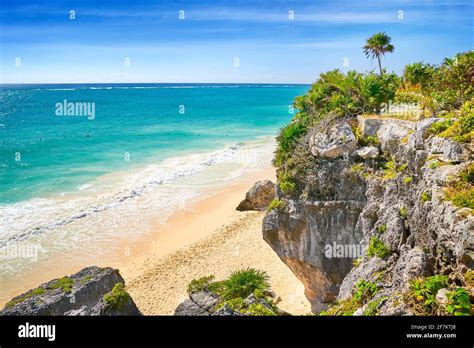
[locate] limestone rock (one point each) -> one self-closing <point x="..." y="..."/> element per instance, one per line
<point x="335" y="142"/>
<point x="79" y="294"/>
<point x="190" y="308"/>
<point x="258" y="197"/>
<point x="423" y="233"/>
<point x="450" y="150"/>
<point x="368" y="152"/>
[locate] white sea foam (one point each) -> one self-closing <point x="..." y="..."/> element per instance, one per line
<point x="108" y="209"/>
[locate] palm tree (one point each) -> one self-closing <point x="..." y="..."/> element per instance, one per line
<point x="377" y="45"/>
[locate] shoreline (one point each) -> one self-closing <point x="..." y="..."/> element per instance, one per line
<point x="231" y="240"/>
<point x="160" y="264"/>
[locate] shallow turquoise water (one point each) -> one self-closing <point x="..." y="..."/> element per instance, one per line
<point x="43" y="154"/>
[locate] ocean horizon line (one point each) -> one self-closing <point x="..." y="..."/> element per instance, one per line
<point x="156" y="83"/>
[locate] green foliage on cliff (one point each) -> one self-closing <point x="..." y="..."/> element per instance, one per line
<point x="65" y="284"/>
<point x="421" y="295"/>
<point x="461" y="130"/>
<point x="458" y="302"/>
<point x="34" y="292"/>
<point x="118" y="297"/>
<point x="287" y="186"/>
<point x="425" y="197"/>
<point x="365" y="290"/>
<point x="286" y="140"/>
<point x="199" y="284"/>
<point x="377" y="248"/>
<point x="276" y="204"/>
<point x="234" y="290"/>
<point x="461" y="192"/>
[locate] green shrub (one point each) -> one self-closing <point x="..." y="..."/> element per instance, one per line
<point x="199" y="284"/>
<point x="286" y="139"/>
<point x="460" y="196"/>
<point x="403" y="213"/>
<point x="425" y="197"/>
<point x="462" y="129"/>
<point x="287" y="187"/>
<point x="357" y="167"/>
<point x="342" y="308"/>
<point x="422" y="293"/>
<point x="382" y="228"/>
<point x="458" y="302"/>
<point x="391" y="169"/>
<point x="372" y="308"/>
<point x="407" y="179"/>
<point x="242" y="283"/>
<point x="440" y="126"/>
<point x="377" y="248"/>
<point x="469" y="277"/>
<point x="276" y="204"/>
<point x="258" y="309"/>
<point x="118" y="297"/>
<point x="467" y="174"/>
<point x="365" y="291"/>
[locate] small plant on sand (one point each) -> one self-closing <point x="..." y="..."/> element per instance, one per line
<point x="242" y="283"/>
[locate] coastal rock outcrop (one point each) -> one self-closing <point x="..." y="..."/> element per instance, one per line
<point x="91" y="291"/>
<point x="335" y="142"/>
<point x="258" y="197"/>
<point x="376" y="216"/>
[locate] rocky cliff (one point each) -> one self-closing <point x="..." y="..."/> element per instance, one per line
<point x="91" y="291"/>
<point x="375" y="204"/>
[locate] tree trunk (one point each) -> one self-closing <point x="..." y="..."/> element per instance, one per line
<point x="380" y="64"/>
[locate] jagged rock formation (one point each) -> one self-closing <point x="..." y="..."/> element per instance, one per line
<point x="206" y="303"/>
<point x="258" y="197"/>
<point x="91" y="291"/>
<point x="391" y="193"/>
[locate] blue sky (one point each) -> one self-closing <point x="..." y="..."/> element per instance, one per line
<point x="203" y="47"/>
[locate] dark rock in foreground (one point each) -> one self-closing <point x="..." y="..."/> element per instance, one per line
<point x="91" y="291"/>
<point x="258" y="197"/>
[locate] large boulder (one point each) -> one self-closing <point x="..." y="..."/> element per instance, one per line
<point x="91" y="291"/>
<point x="335" y="142"/>
<point x="258" y="197"/>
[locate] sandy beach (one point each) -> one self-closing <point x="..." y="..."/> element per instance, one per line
<point x="209" y="237"/>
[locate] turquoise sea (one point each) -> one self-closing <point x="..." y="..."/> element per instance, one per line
<point x="77" y="180"/>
